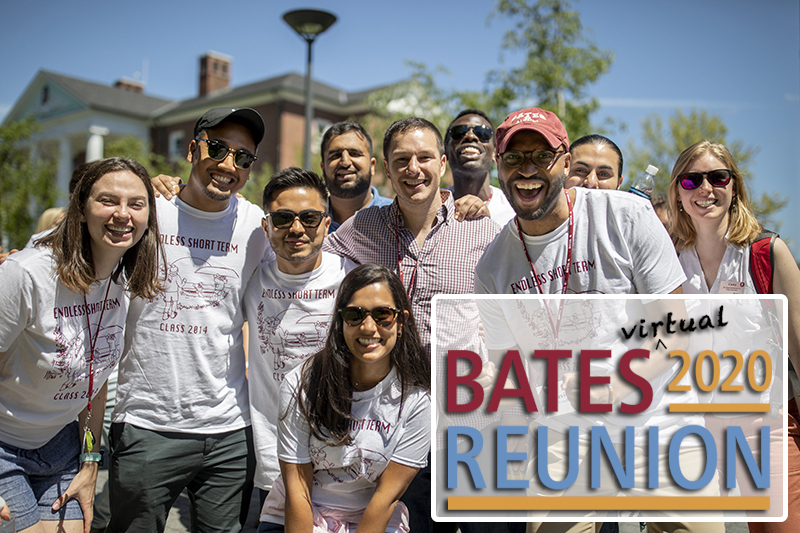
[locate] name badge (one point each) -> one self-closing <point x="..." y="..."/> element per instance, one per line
<point x="731" y="287"/>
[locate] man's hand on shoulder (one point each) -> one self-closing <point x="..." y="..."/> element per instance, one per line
<point x="168" y="186"/>
<point x="470" y="207"/>
<point x="4" y="255"/>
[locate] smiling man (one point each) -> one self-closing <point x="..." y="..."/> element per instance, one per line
<point x="348" y="167"/>
<point x="289" y="302"/>
<point x="469" y="145"/>
<point x="182" y="418"/>
<point x="418" y="237"/>
<point x="626" y="253"/>
<point x="596" y="163"/>
<point x="567" y="241"/>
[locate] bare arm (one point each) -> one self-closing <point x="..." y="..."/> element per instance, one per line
<point x="391" y="485"/>
<point x="168" y="186"/>
<point x="298" y="478"/>
<point x="470" y="207"/>
<point x="82" y="486"/>
<point x="787" y="282"/>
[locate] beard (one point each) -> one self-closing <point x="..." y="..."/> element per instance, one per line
<point x="554" y="190"/>
<point x="218" y="196"/>
<point x="354" y="189"/>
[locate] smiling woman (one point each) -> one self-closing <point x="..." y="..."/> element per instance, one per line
<point x="63" y="306"/>
<point x="714" y="229"/>
<point x="355" y="418"/>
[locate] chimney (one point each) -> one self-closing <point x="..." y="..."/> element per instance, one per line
<point x="128" y="84"/>
<point x="215" y="72"/>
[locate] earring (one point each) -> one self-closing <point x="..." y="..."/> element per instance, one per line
<point x="399" y="332"/>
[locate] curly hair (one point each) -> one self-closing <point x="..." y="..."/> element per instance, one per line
<point x="325" y="395"/>
<point x="742" y="224"/>
<point x="142" y="264"/>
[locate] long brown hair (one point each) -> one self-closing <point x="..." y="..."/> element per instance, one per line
<point x="326" y="391"/>
<point x="142" y="264"/>
<point x="742" y="223"/>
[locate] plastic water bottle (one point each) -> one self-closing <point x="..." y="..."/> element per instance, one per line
<point x="644" y="184"/>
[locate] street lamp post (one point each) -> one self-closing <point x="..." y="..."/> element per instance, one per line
<point x="309" y="23"/>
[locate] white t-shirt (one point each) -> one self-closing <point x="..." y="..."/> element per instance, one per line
<point x="499" y="208"/>
<point x="345" y="476"/>
<point x="46" y="339"/>
<point x="289" y="316"/>
<point x="620" y="247"/>
<point x="184" y="367"/>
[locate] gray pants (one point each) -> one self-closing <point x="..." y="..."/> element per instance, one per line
<point x="149" y="469"/>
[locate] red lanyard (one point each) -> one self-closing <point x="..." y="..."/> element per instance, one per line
<point x="410" y="287"/>
<point x="537" y="283"/>
<point x="92" y="344"/>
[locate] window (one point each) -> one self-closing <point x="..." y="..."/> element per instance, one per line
<point x="177" y="147"/>
<point x="45" y="94"/>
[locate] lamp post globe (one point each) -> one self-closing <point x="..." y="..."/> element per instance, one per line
<point x="309" y="24"/>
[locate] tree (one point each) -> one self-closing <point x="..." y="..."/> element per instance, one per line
<point x="134" y="148"/>
<point x="560" y="62"/>
<point x="26" y="185"/>
<point x="662" y="143"/>
<point x="254" y="188"/>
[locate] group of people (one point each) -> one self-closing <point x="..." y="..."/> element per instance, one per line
<point x="327" y="286"/>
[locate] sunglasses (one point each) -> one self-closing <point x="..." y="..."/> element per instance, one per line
<point x="308" y="218"/>
<point x="716" y="178"/>
<point x="540" y="158"/>
<point x="383" y="316"/>
<point x="483" y="133"/>
<point x="218" y="152"/>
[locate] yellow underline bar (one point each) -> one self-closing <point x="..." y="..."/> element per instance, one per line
<point x="719" y="408"/>
<point x="608" y="503"/>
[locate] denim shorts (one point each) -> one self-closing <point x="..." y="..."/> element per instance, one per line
<point x="32" y="480"/>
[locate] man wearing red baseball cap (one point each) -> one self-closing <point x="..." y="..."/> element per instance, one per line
<point x="627" y="254"/>
<point x="563" y="241"/>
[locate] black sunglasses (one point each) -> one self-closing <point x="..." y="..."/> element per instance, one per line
<point x="483" y="133"/>
<point x="717" y="178"/>
<point x="383" y="316"/>
<point x="309" y="218"/>
<point x="540" y="158"/>
<point x="218" y="152"/>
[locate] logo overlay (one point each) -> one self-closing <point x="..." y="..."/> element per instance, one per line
<point x="578" y="408"/>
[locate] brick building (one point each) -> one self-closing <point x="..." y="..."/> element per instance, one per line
<point x="79" y="116"/>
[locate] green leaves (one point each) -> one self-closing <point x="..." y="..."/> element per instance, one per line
<point x="663" y="141"/>
<point x="26" y="184"/>
<point x="559" y="63"/>
<point x="134" y="148"/>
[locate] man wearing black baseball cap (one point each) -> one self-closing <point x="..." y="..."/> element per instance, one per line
<point x="182" y="416"/>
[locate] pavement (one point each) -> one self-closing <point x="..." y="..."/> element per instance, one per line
<point x="178" y="520"/>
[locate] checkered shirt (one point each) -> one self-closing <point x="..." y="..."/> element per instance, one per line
<point x="445" y="264"/>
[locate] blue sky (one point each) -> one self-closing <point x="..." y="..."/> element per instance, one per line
<point x="737" y="58"/>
